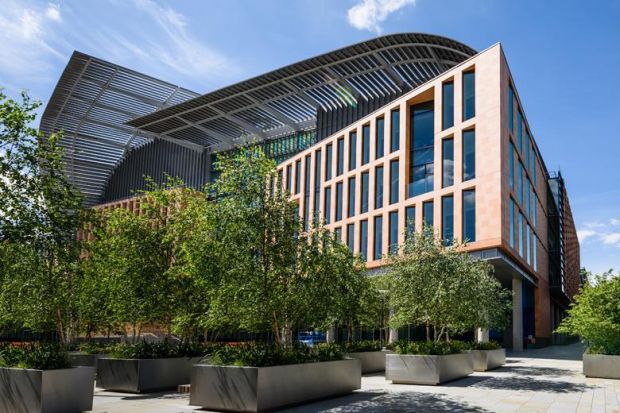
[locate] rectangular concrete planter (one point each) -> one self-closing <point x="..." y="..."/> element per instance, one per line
<point x="255" y="389"/>
<point x="601" y="366"/>
<point x="423" y="369"/>
<point x="488" y="359"/>
<point x="372" y="361"/>
<point x="46" y="391"/>
<point x="142" y="375"/>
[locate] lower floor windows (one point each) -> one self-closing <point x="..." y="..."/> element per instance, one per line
<point x="447" y="219"/>
<point x="378" y="244"/>
<point x="364" y="239"/>
<point x="409" y="221"/>
<point x="427" y="213"/>
<point x="351" y="237"/>
<point x="393" y="234"/>
<point x="469" y="215"/>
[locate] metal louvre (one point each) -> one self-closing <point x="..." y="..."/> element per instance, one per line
<point x="288" y="99"/>
<point x="92" y="103"/>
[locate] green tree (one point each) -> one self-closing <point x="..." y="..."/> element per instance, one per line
<point x="444" y="289"/>
<point x="595" y="314"/>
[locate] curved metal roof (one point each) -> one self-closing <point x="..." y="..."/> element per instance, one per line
<point x="92" y="102"/>
<point x="287" y="99"/>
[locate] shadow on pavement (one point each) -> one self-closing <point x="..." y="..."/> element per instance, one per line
<point x="559" y="352"/>
<point x="523" y="384"/>
<point x="536" y="371"/>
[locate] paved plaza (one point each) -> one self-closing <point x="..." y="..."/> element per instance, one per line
<point x="544" y="380"/>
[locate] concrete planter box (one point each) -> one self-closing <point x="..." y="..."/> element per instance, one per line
<point x="46" y="391"/>
<point x="488" y="359"/>
<point x="255" y="389"/>
<point x="601" y="366"/>
<point x="141" y="375"/>
<point x="422" y="369"/>
<point x="372" y="361"/>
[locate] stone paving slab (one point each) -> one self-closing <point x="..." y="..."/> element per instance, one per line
<point x="547" y="380"/>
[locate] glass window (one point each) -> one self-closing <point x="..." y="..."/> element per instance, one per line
<point x="512" y="223"/>
<point x="533" y="198"/>
<point x="365" y="144"/>
<point x="364" y="200"/>
<point x="379" y="138"/>
<point x="520" y="183"/>
<point x="527" y="150"/>
<point x="351" y="210"/>
<point x="340" y="156"/>
<point x="427" y="213"/>
<point x="351" y="237"/>
<point x="520" y="131"/>
<point x="317" y="183"/>
<point x="328" y="205"/>
<point x="511" y="116"/>
<point x="520" y="234"/>
<point x="534" y="167"/>
<point x="395" y="130"/>
<point x="394" y="181"/>
<point x="409" y="221"/>
<point x="469" y="215"/>
<point x="511" y="165"/>
<point x="469" y="155"/>
<point x="307" y="175"/>
<point x="469" y="95"/>
<point x="535" y="251"/>
<point x="297" y="177"/>
<point x="378" y="187"/>
<point x="338" y="201"/>
<point x="328" y="162"/>
<point x="447" y="105"/>
<point x="528" y="243"/>
<point x="364" y="239"/>
<point x="422" y="149"/>
<point x="352" y="150"/>
<point x="447" y="219"/>
<point x="378" y="244"/>
<point x="447" y="149"/>
<point x="338" y="234"/>
<point x="528" y="205"/>
<point x="393" y="234"/>
<point x="289" y="177"/>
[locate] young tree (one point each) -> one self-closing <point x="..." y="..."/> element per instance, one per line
<point x="595" y="314"/>
<point x="444" y="289"/>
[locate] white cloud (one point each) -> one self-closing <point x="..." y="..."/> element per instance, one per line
<point x="614" y="222"/>
<point x="368" y="14"/>
<point x="612" y="238"/>
<point x="585" y="234"/>
<point x="53" y="12"/>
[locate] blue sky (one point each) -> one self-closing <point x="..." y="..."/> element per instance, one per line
<point x="564" y="56"/>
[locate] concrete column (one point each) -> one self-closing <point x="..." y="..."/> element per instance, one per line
<point x="330" y="336"/>
<point x="393" y="331"/>
<point x="517" y="314"/>
<point x="482" y="335"/>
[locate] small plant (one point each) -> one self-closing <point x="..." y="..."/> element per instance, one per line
<point x="362" y="346"/>
<point x="441" y="348"/>
<point x="164" y="349"/>
<point x="94" y="347"/>
<point x="39" y="356"/>
<point x="488" y="345"/>
<point x="265" y="355"/>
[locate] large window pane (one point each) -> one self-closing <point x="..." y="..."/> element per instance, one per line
<point x="520" y="131"/>
<point x="317" y="184"/>
<point x="511" y="165"/>
<point x="297" y="177"/>
<point x="427" y="213"/>
<point x="307" y="176"/>
<point x="395" y="131"/>
<point x="379" y="138"/>
<point x="378" y="187"/>
<point x="469" y="155"/>
<point x="511" y="115"/>
<point x="328" y="161"/>
<point x="469" y="215"/>
<point x="364" y="200"/>
<point x="352" y="151"/>
<point x="448" y="105"/>
<point x="378" y="244"/>
<point x="365" y="144"/>
<point x="351" y="237"/>
<point x="422" y="149"/>
<point x="289" y="177"/>
<point x="447" y="219"/>
<point x="351" y="211"/>
<point x="328" y="205"/>
<point x="338" y="201"/>
<point x="409" y="221"/>
<point x="520" y="183"/>
<point x="469" y="95"/>
<point x="364" y="239"/>
<point x="520" y="234"/>
<point x="340" y="156"/>
<point x="338" y="234"/>
<point x="447" y="162"/>
<point x="393" y="234"/>
<point x="394" y="181"/>
<point x="528" y="244"/>
<point x="512" y="223"/>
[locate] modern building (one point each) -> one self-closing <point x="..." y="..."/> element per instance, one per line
<point x="375" y="139"/>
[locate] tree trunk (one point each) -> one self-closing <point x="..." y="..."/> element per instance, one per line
<point x="428" y="332"/>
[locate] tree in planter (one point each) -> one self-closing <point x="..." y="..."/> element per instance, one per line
<point x="39" y="218"/>
<point x="595" y="314"/>
<point x="444" y="289"/>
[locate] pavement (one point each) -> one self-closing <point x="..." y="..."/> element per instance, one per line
<point x="546" y="380"/>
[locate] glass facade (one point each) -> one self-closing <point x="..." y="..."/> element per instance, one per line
<point x="511" y="114"/>
<point x="422" y="149"/>
<point x="365" y="144"/>
<point x="378" y="241"/>
<point x="394" y="130"/>
<point x="351" y="209"/>
<point x="512" y="223"/>
<point x="364" y="200"/>
<point x="447" y="155"/>
<point x="364" y="239"/>
<point x="394" y="165"/>
<point x="528" y="243"/>
<point x="307" y="176"/>
<point x="469" y="215"/>
<point x="338" y="201"/>
<point x="327" y="213"/>
<point x="352" y="151"/>
<point x="329" y="153"/>
<point x="297" y="177"/>
<point x="393" y="232"/>
<point x="469" y="95"/>
<point x="447" y="219"/>
<point x="427" y="213"/>
<point x="511" y="165"/>
<point x="520" y="234"/>
<point x="340" y="157"/>
<point x="409" y="221"/>
<point x="351" y="237"/>
<point x="289" y="178"/>
<point x="317" y="183"/>
<point x="520" y="183"/>
<point x="520" y="131"/>
<point x="469" y="155"/>
<point x="378" y="187"/>
<point x="379" y="138"/>
<point x="447" y="120"/>
<point x="338" y="234"/>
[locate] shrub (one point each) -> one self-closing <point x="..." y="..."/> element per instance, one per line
<point x="39" y="356"/>
<point x="164" y="349"/>
<point x="94" y="347"/>
<point x="265" y="355"/>
<point x="362" y="346"/>
<point x="441" y="348"/>
<point x="488" y="345"/>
